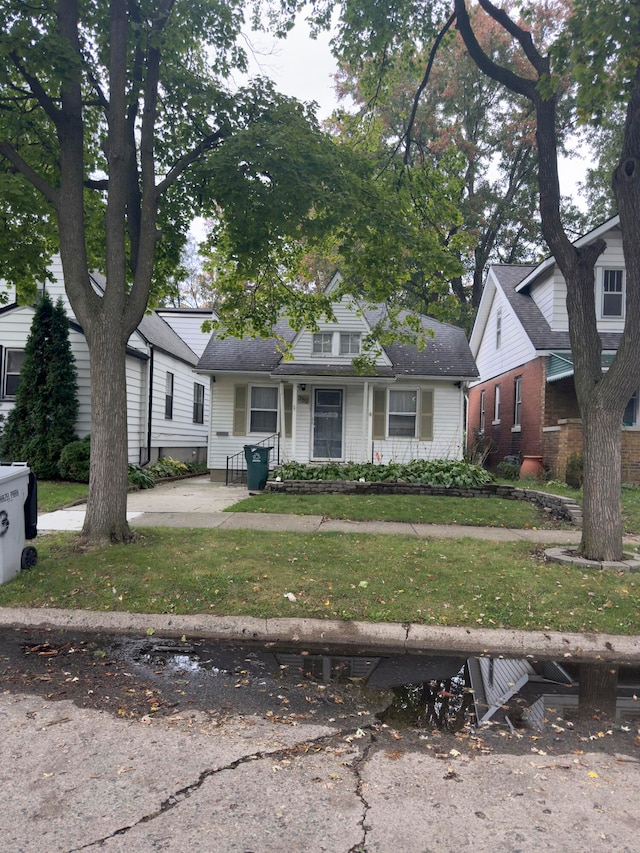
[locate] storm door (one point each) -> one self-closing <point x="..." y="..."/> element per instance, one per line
<point x="327" y="423"/>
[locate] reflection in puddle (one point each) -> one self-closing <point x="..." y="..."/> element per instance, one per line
<point x="418" y="691"/>
<point x="445" y="704"/>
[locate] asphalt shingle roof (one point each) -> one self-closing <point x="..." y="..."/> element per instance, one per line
<point x="447" y="353"/>
<point x="542" y="336"/>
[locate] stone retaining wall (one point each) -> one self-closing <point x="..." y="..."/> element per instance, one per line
<point x="565" y="508"/>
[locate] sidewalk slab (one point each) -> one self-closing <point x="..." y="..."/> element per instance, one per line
<point x="275" y="522"/>
<point x="68" y="519"/>
<point x="371" y="527"/>
<point x="179" y="519"/>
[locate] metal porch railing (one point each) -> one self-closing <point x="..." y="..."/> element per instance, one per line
<point x="237" y="465"/>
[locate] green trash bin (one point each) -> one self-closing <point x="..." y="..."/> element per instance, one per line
<point x="257" y="466"/>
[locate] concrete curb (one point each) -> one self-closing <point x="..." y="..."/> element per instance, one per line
<point x="331" y="635"/>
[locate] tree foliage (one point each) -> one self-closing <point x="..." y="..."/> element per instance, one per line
<point x="43" y="419"/>
<point x="606" y="62"/>
<point x="117" y="126"/>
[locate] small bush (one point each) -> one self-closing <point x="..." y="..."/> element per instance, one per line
<point x="509" y="468"/>
<point x="74" y="461"/>
<point x="436" y="472"/>
<point x="142" y="477"/>
<point x="168" y="467"/>
<point x="574" y="473"/>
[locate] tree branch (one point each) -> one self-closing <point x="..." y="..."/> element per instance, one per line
<point x="520" y="85"/>
<point x="539" y="62"/>
<point x="186" y="160"/>
<point x="37" y="89"/>
<point x="9" y="153"/>
<point x="423" y="84"/>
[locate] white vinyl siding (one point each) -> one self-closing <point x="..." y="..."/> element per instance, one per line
<point x="188" y="324"/>
<point x="181" y="432"/>
<point x="543" y="295"/>
<point x="348" y="321"/>
<point x="516" y="348"/>
<point x="442" y="414"/>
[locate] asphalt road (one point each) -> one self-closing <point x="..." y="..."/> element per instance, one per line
<point x="128" y="745"/>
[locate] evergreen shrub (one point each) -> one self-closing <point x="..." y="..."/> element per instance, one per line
<point x="74" y="461"/>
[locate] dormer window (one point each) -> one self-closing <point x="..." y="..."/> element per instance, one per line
<point x="323" y="343"/>
<point x="349" y="343"/>
<point x="612" y="293"/>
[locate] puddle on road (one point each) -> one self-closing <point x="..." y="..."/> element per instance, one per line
<point x="405" y="691"/>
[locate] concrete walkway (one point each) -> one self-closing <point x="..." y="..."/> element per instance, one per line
<point x="197" y="502"/>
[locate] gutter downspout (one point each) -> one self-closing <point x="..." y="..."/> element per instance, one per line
<point x="149" y="409"/>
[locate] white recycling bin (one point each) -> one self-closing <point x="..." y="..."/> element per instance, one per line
<point x="14" y="487"/>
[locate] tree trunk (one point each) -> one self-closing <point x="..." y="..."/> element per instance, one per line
<point x="602" y="509"/>
<point x="106" y="518"/>
<point x="597" y="690"/>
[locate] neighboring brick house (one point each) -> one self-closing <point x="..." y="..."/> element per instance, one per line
<point x="317" y="407"/>
<point x="524" y="402"/>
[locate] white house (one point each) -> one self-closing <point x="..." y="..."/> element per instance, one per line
<point x="316" y="407"/>
<point x="524" y="401"/>
<point x="167" y="403"/>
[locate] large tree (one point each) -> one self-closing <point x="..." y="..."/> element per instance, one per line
<point x="615" y="65"/>
<point x="112" y="118"/>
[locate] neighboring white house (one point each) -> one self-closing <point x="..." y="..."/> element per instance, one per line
<point x="316" y="406"/>
<point x="167" y="403"/>
<point x="524" y="400"/>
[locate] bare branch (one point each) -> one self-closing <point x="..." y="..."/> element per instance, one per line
<point x="423" y="84"/>
<point x="537" y="60"/>
<point x="520" y="85"/>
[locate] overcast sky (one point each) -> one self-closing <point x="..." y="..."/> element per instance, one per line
<point x="300" y="66"/>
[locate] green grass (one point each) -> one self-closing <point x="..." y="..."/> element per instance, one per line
<point x="417" y="509"/>
<point x="53" y="495"/>
<point x="334" y="576"/>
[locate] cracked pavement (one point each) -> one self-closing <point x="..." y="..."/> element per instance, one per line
<point x="88" y="766"/>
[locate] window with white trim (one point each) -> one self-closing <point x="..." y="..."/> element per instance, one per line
<point x="13" y="361"/>
<point x="168" y="397"/>
<point x="349" y="343"/>
<point x="263" y="416"/>
<point x="496" y="405"/>
<point x="402" y="413"/>
<point x="198" y="403"/>
<point x="499" y="328"/>
<point x="517" y="401"/>
<point x="612" y="293"/>
<point x="322" y="343"/>
<point x="482" y="405"/>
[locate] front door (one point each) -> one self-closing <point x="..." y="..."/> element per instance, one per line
<point x="327" y="423"/>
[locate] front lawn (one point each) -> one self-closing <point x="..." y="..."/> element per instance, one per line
<point x="334" y="576"/>
<point x="53" y="494"/>
<point x="416" y="509"/>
